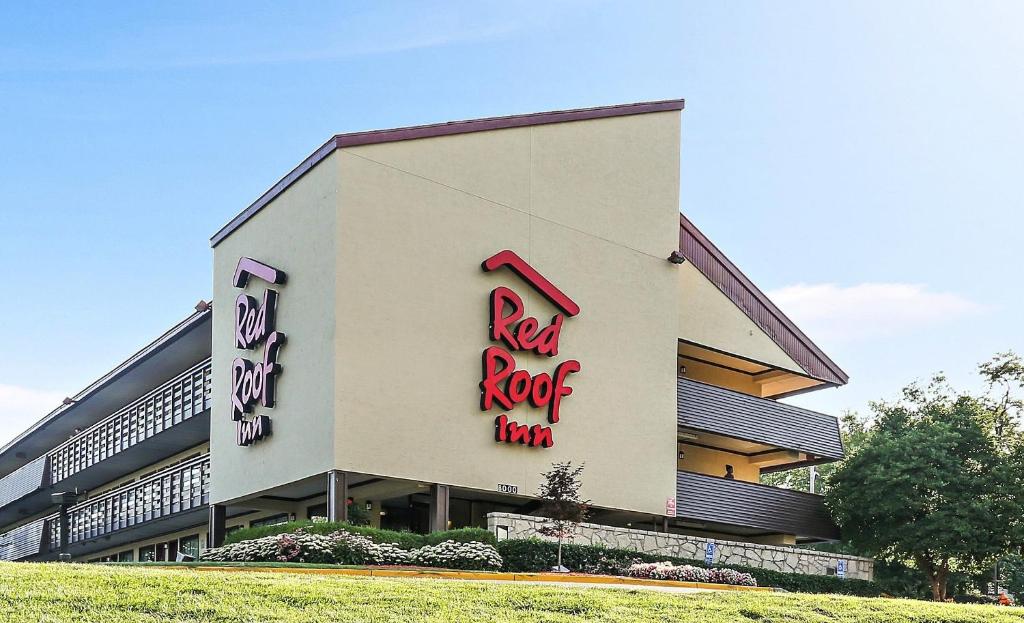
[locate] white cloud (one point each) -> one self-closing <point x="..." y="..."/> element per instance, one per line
<point x="835" y="313"/>
<point x="20" y="407"/>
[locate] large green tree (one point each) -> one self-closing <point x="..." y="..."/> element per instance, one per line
<point x="934" y="481"/>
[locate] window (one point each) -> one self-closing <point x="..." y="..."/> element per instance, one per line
<point x="126" y="556"/>
<point x="189" y="545"/>
<point x="273" y="520"/>
<point x="317" y="510"/>
<point x="147" y="554"/>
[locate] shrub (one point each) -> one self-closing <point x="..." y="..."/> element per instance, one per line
<point x="689" y="573"/>
<point x="304" y="547"/>
<point x="355" y="549"/>
<point x="975" y="599"/>
<point x="538" y="555"/>
<point x="346" y="546"/>
<point x="462" y="535"/>
<point x="255" y="550"/>
<point x="454" y="555"/>
<point x="404" y="540"/>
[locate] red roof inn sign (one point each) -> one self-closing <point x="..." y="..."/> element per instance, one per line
<point x="253" y="382"/>
<point x="505" y="386"/>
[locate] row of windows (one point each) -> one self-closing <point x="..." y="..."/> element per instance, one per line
<point x="169" y="550"/>
<point x="184" y="546"/>
<point x="180" y="488"/>
<point x="181" y="398"/>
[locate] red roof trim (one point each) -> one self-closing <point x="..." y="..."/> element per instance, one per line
<point x="714" y="265"/>
<point x="373" y="137"/>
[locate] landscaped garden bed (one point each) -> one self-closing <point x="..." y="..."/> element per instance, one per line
<point x="471" y="550"/>
<point x="348" y="548"/>
<point x="537" y="555"/>
<point x="474" y="549"/>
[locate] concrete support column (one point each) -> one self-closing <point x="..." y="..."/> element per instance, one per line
<point x="64" y="528"/>
<point x="337" y="496"/>
<point x="217" y="529"/>
<point x="438" y="507"/>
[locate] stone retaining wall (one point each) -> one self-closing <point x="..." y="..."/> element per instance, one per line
<point x="774" y="557"/>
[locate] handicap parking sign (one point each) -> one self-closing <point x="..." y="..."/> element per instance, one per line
<point x="709" y="553"/>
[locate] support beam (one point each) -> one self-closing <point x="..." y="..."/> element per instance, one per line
<point x="778" y="457"/>
<point x="64" y="529"/>
<point x="217" y="528"/>
<point x="337" y="495"/>
<point x="280" y="506"/>
<point x="438" y="507"/>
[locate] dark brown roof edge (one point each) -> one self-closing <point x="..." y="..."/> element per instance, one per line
<point x="372" y="137"/>
<point x="714" y="265"/>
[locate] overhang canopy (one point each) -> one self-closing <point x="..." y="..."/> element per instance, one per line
<point x="714" y="265"/>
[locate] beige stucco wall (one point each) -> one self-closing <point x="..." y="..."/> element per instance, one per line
<point x="296" y="234"/>
<point x="707" y="317"/>
<point x="591" y="205"/>
<point x="386" y="310"/>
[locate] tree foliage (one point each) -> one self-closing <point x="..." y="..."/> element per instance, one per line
<point x="937" y="479"/>
<point x="563" y="504"/>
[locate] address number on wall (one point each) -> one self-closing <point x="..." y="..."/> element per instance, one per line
<point x="508" y="488"/>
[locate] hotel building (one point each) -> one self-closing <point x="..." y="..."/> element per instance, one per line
<point x="419" y="322"/>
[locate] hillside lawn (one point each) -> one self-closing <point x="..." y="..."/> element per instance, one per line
<point x="58" y="593"/>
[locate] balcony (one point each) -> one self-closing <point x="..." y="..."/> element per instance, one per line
<point x="719" y="505"/>
<point x="173" y="499"/>
<point x="166" y="420"/>
<point x="739" y="422"/>
<point x="25" y="480"/>
<point x="24" y="541"/>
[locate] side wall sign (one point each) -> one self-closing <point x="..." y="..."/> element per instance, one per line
<point x="254" y="382"/>
<point x="505" y="386"/>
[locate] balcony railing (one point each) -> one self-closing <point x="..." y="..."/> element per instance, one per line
<point x="174" y="490"/>
<point x="24" y="541"/>
<point x="712" y="409"/>
<point x="176" y="401"/>
<point x="27" y="479"/>
<point x="765" y="509"/>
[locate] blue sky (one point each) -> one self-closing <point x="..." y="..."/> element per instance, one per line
<point x="860" y="161"/>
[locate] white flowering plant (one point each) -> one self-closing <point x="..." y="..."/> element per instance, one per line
<point x="305" y="547"/>
<point x="346" y="548"/>
<point x="453" y="555"/>
<point x="354" y="549"/>
<point x="254" y="550"/>
<point x="688" y="573"/>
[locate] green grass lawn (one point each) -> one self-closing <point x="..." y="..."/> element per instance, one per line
<point x="56" y="593"/>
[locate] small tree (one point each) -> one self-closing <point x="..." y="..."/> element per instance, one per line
<point x="562" y="503"/>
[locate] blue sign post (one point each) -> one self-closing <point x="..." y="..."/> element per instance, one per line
<point x="841" y="569"/>
<point x="709" y="554"/>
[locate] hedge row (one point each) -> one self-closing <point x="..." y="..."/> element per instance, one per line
<point x="529" y="555"/>
<point x="404" y="540"/>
